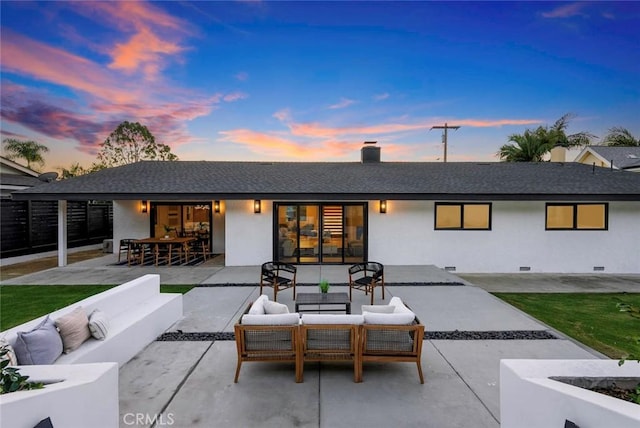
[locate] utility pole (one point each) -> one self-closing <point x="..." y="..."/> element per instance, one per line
<point x="444" y="136"/>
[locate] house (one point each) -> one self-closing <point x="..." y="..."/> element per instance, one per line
<point x="14" y="176"/>
<point x="464" y="217"/>
<point x="626" y="158"/>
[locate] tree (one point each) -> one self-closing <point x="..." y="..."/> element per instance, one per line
<point x="132" y="142"/>
<point x="528" y="147"/>
<point x="620" y="137"/>
<point x="30" y="151"/>
<point x="76" y="170"/>
<point x="532" y="146"/>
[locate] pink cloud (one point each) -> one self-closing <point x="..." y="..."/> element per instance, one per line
<point x="235" y="96"/>
<point x="565" y="11"/>
<point x="344" y="102"/>
<point x="155" y="35"/>
<point x="28" y="57"/>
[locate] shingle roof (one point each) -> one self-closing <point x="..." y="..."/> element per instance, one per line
<point x="205" y="180"/>
<point x="19" y="180"/>
<point x="621" y="157"/>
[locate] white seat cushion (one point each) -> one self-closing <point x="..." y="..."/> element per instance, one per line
<point x="275" y="319"/>
<point x="332" y="319"/>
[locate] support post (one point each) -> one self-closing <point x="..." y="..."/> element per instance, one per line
<point x="62" y="233"/>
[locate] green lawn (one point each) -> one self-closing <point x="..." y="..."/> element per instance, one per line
<point x="21" y="303"/>
<point x="591" y="318"/>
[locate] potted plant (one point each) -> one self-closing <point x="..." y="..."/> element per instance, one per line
<point x="167" y="229"/>
<point x="11" y="380"/>
<point x="324" y="286"/>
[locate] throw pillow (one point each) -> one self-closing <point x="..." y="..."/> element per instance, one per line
<point x="275" y="308"/>
<point x="258" y="306"/>
<point x="74" y="329"/>
<point x="378" y="309"/>
<point x="98" y="324"/>
<point x="10" y="355"/>
<point x="42" y="345"/>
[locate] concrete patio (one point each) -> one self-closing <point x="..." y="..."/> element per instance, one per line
<point x="190" y="383"/>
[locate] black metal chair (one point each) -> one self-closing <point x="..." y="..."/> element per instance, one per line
<point x="365" y="277"/>
<point x="278" y="276"/>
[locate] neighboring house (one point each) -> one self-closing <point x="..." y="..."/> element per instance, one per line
<point x="14" y="176"/>
<point x="464" y="217"/>
<point x="626" y="158"/>
<point x="28" y="227"/>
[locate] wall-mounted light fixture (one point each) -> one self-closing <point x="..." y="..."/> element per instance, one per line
<point x="383" y="206"/>
<point x="256" y="206"/>
<point x="143" y="207"/>
<point x="216" y="207"/>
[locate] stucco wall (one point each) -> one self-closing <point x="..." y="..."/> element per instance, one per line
<point x="249" y="235"/>
<point x="129" y="222"/>
<point x="406" y="235"/>
<point x="217" y="229"/>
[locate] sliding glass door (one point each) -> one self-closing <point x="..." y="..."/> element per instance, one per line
<point x="320" y="233"/>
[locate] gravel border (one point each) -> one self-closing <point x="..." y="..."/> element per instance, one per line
<point x="179" y="336"/>
<point x="344" y="284"/>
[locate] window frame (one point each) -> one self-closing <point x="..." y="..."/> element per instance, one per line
<point x="575" y="206"/>
<point x="462" y="205"/>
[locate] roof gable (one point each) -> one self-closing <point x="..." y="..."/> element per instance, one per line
<point x="619" y="157"/>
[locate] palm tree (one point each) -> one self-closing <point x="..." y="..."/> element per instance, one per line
<point x="30" y="151"/>
<point x="620" y="137"/>
<point x="528" y="147"/>
<point x="532" y="146"/>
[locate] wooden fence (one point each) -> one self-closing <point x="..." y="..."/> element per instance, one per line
<point x="28" y="227"/>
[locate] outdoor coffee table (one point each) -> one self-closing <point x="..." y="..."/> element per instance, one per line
<point x="322" y="299"/>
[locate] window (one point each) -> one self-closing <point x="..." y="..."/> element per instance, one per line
<point x="577" y="216"/>
<point x="471" y="216"/>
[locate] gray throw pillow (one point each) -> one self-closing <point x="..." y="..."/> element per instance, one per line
<point x="98" y="324"/>
<point x="42" y="345"/>
<point x="272" y="308"/>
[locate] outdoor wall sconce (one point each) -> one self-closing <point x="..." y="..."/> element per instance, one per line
<point x="383" y="206"/>
<point x="143" y="207"/>
<point x="216" y="207"/>
<point x="256" y="206"/>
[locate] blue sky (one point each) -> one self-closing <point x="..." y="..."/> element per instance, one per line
<point x="301" y="81"/>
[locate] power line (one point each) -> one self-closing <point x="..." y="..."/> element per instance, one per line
<point x="444" y="135"/>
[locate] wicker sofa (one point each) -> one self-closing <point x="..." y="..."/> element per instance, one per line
<point x="390" y="334"/>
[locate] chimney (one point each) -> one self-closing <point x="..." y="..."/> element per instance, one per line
<point x="370" y="153"/>
<point x="558" y="154"/>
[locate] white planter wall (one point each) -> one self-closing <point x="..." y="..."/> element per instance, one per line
<point x="529" y="398"/>
<point x="88" y="397"/>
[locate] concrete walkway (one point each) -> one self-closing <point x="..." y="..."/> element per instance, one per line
<point x="190" y="383"/>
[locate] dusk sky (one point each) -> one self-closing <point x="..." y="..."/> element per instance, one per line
<point x="307" y="81"/>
